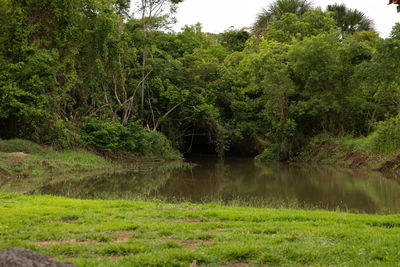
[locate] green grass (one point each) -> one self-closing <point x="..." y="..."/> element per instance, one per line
<point x="25" y="159"/>
<point x="371" y="152"/>
<point x="134" y="233"/>
<point x="20" y="145"/>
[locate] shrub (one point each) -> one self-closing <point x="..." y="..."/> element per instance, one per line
<point x="103" y="136"/>
<point x="132" y="138"/>
<point x="159" y="145"/>
<point x="386" y="137"/>
<point x="61" y="134"/>
<point x="111" y="136"/>
<point x="272" y="153"/>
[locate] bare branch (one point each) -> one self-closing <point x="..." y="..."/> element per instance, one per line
<point x="115" y="90"/>
<point x="107" y="103"/>
<point x="106" y="99"/>
<point x="152" y="112"/>
<point x="122" y="79"/>
<point x="165" y="116"/>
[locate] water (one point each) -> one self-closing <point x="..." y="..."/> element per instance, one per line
<point x="240" y="180"/>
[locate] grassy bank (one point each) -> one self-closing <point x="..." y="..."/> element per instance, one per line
<point x="21" y="159"/>
<point x="123" y="233"/>
<point x="372" y="152"/>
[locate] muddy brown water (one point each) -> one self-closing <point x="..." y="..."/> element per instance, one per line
<point x="242" y="181"/>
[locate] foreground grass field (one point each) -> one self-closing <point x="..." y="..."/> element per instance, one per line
<point x="134" y="233"/>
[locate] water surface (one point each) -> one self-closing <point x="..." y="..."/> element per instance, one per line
<point x="240" y="180"/>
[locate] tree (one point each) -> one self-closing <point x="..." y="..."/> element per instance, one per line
<point x="185" y="86"/>
<point x="4" y="16"/>
<point x="276" y="10"/>
<point x="290" y="28"/>
<point x="53" y="50"/>
<point x="234" y="40"/>
<point x="154" y="13"/>
<point x="381" y="89"/>
<point x="350" y="20"/>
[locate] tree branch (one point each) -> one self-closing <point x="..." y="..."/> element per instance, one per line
<point x="165" y="115"/>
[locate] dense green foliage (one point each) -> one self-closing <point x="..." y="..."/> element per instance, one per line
<point x="111" y="136"/>
<point x="85" y="73"/>
<point x="276" y="10"/>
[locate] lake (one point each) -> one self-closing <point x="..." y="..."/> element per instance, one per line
<point x="234" y="181"/>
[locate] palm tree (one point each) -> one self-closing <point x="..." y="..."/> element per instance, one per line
<point x="349" y="20"/>
<point x="276" y="11"/>
<point x="397" y="2"/>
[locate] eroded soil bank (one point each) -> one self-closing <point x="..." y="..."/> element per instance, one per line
<point x="336" y="151"/>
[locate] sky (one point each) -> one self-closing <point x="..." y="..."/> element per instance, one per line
<point x="218" y="15"/>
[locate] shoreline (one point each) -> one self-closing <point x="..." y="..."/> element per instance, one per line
<point x="20" y="159"/>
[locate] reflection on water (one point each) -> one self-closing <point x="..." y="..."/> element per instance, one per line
<point x="241" y="179"/>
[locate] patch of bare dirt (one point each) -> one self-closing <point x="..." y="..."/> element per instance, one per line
<point x="195" y="220"/>
<point x="15" y="161"/>
<point x="123" y="236"/>
<point x="240" y="264"/>
<point x="391" y="165"/>
<point x="46" y="164"/>
<point x="20" y="154"/>
<point x="189" y="220"/>
<point x="67" y="221"/>
<point x="71" y="241"/>
<point x="3" y="173"/>
<point x="189" y="244"/>
<point x="357" y="159"/>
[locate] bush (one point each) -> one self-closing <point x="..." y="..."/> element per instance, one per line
<point x="111" y="136"/>
<point x="61" y="134"/>
<point x="272" y="153"/>
<point x="103" y="136"/>
<point x="133" y="138"/>
<point x="385" y="139"/>
<point x="159" y="145"/>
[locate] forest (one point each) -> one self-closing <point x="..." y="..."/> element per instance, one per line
<point x="90" y="73"/>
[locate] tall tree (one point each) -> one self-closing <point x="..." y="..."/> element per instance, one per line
<point x="350" y="20"/>
<point x="276" y="10"/>
<point x="153" y="14"/>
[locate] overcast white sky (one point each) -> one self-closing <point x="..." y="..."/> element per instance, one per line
<point x="218" y="15"/>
